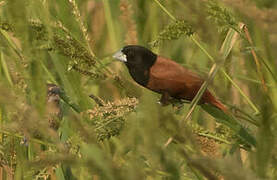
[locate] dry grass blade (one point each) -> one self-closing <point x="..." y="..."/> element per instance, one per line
<point x="255" y="57"/>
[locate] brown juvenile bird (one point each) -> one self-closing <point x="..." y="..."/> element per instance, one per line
<point x="163" y="76"/>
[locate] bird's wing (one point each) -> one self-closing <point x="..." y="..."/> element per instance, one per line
<point x="167" y="75"/>
<point x="165" y="69"/>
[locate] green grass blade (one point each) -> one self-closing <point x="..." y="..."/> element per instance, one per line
<point x="5" y="68"/>
<point x="59" y="173"/>
<point x="230" y="122"/>
<point x="110" y="24"/>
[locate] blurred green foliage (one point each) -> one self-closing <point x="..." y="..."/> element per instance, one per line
<point x="96" y="123"/>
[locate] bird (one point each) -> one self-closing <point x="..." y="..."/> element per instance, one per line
<point x="164" y="76"/>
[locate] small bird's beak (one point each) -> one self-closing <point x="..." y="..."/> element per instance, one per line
<point x="120" y="56"/>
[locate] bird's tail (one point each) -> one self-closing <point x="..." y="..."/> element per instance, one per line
<point x="209" y="98"/>
<point x="219" y="105"/>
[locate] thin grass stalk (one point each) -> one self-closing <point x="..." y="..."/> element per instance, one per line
<point x="5" y="68"/>
<point x="1" y="124"/>
<point x="12" y="44"/>
<point x="165" y="10"/>
<point x="254" y="81"/>
<point x="52" y="79"/>
<point x="257" y="62"/>
<point x="215" y="138"/>
<point x="201" y="91"/>
<point x="274" y="76"/>
<point x="12" y="134"/>
<point x="110" y="23"/>
<point x="241" y="92"/>
<point x="82" y="27"/>
<point x="204" y="70"/>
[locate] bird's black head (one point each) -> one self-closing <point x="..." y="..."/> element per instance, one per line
<point x="138" y="60"/>
<point x="136" y="55"/>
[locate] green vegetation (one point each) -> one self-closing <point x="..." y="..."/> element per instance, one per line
<point x="68" y="110"/>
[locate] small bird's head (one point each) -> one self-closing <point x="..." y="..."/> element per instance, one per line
<point x="138" y="60"/>
<point x="134" y="55"/>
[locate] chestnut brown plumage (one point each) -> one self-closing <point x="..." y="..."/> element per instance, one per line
<point x="164" y="76"/>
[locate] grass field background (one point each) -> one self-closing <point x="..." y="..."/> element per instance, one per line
<point x="68" y="110"/>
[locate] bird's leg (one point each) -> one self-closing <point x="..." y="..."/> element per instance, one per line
<point x="177" y="103"/>
<point x="165" y="99"/>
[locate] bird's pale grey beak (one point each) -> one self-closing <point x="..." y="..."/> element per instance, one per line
<point x="120" y="56"/>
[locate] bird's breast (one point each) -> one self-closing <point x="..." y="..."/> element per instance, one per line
<point x="141" y="76"/>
